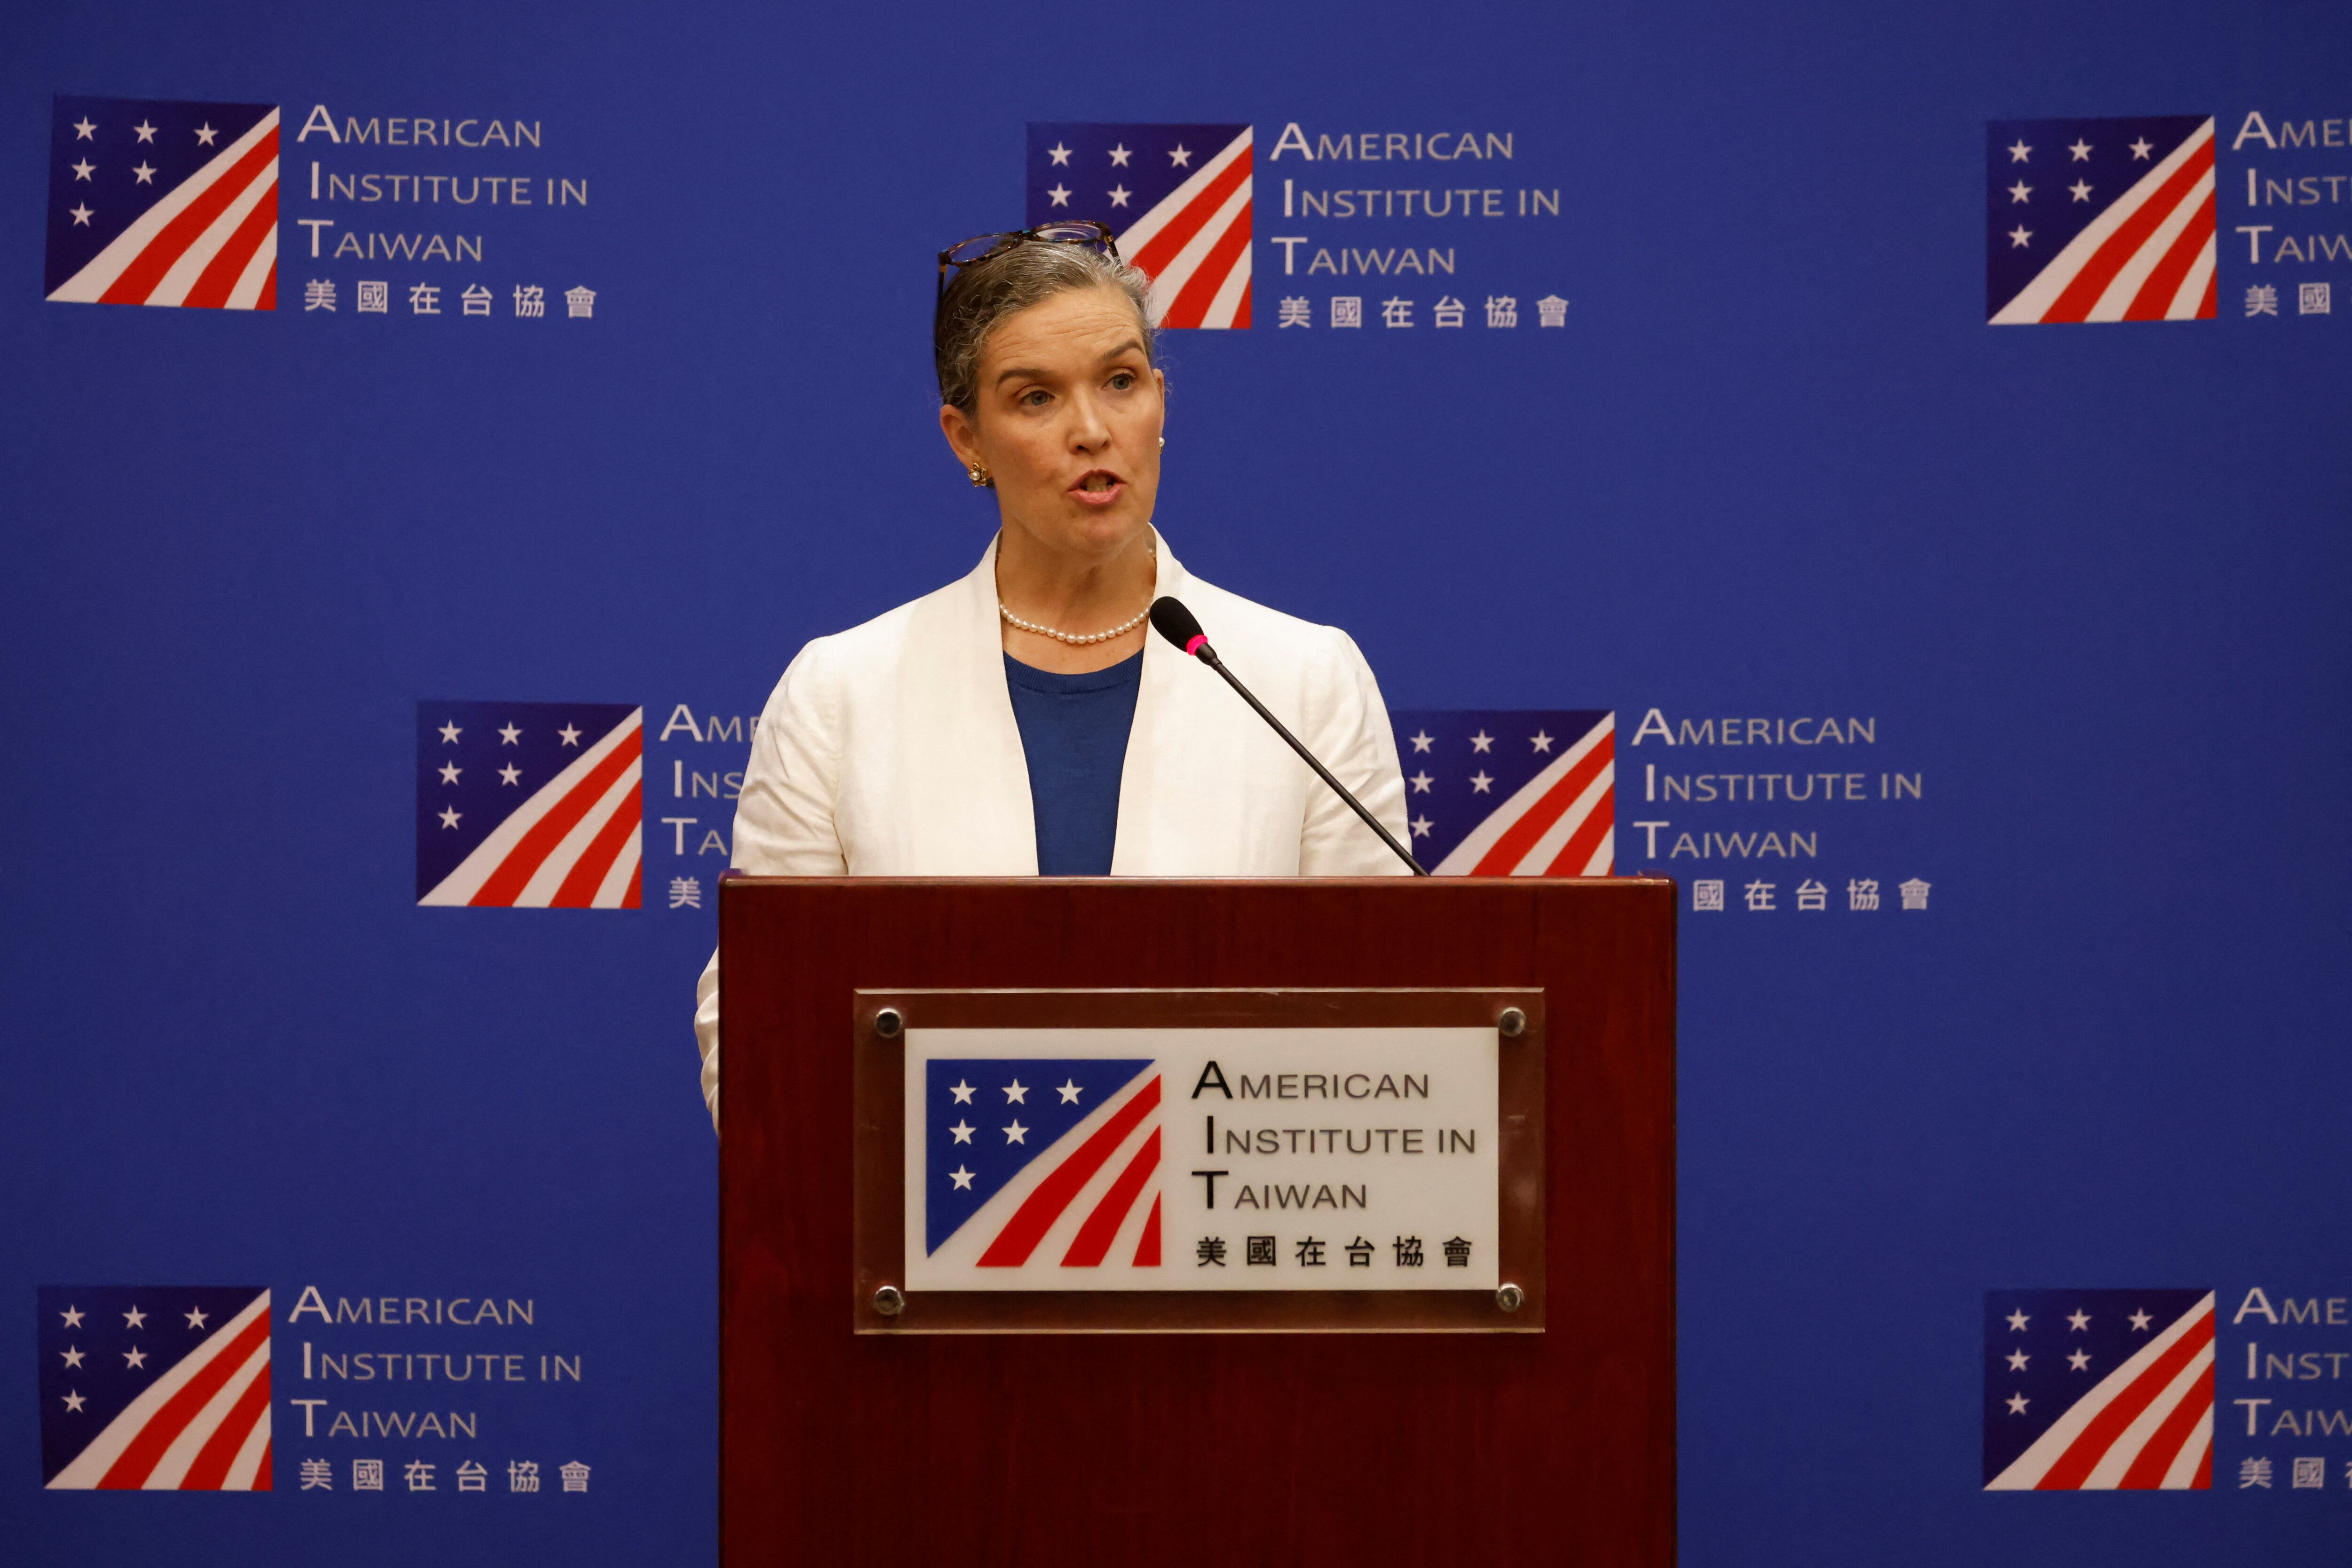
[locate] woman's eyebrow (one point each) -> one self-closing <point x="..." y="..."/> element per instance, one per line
<point x="1132" y="345"/>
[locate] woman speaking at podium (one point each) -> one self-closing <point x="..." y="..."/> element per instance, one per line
<point x="1023" y="721"/>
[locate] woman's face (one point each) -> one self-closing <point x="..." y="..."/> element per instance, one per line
<point x="1067" y="421"/>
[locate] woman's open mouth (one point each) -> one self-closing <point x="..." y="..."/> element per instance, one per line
<point x="1099" y="487"/>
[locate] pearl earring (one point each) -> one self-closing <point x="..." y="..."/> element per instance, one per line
<point x="980" y="476"/>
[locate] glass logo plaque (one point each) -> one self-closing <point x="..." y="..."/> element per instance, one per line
<point x="1041" y="1161"/>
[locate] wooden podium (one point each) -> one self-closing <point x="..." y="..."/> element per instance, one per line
<point x="1024" y="1448"/>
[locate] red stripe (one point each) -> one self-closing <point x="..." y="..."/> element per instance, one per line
<point x="1582" y="844"/>
<point x="506" y="884"/>
<point x="132" y="1467"/>
<point x="2203" y="1479"/>
<point x="2146" y="1472"/>
<point x="220" y="275"/>
<point x="267" y="301"/>
<point x="1240" y="317"/>
<point x="1162" y="248"/>
<point x="1028" y="1226"/>
<point x="2084" y="1454"/>
<point x="579" y="889"/>
<point x="147" y="268"/>
<point x="2075" y="304"/>
<point x="219" y="1451"/>
<point x="630" y="899"/>
<point x="1522" y="835"/>
<point x="1147" y="1245"/>
<point x="1094" y="1237"/>
<point x="2155" y="296"/>
<point x="1200" y="292"/>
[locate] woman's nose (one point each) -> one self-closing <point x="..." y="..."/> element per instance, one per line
<point x="1088" y="429"/>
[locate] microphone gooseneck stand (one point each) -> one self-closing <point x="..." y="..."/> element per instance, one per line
<point x="1171" y="620"/>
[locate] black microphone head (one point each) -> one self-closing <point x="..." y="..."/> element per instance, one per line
<point x="1171" y="620"/>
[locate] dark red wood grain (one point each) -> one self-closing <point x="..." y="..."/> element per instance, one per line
<point x="1027" y="1450"/>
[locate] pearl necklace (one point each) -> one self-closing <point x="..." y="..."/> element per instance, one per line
<point x="1071" y="638"/>
<point x="1116" y="631"/>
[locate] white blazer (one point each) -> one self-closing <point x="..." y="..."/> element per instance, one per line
<point x="891" y="750"/>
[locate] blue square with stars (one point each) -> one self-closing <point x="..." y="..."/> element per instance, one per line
<point x="157" y="201"/>
<point x="2099" y="219"/>
<point x="1523" y="792"/>
<point x="153" y="1386"/>
<point x="2098" y="1390"/>
<point x="986" y="1118"/>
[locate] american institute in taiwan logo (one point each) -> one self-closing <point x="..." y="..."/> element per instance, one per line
<point x="2098" y="1390"/>
<point x="1040" y="1163"/>
<point x="2099" y="220"/>
<point x="1178" y="197"/>
<point x="155" y="1388"/>
<point x="157" y="202"/>
<point x="530" y="804"/>
<point x="1511" y="794"/>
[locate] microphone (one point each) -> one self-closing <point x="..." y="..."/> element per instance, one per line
<point x="1171" y="620"/>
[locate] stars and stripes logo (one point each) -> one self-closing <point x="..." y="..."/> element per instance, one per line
<point x="1040" y="1163"/>
<point x="1178" y="197"/>
<point x="155" y="1388"/>
<point x="2099" y="220"/>
<point x="530" y="804"/>
<point x="1511" y="794"/>
<point x="2098" y="1390"/>
<point x="156" y="202"/>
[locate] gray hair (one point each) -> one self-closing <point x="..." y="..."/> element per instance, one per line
<point x="981" y="298"/>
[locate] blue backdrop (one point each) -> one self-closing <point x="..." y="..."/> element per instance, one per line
<point x="1773" y="463"/>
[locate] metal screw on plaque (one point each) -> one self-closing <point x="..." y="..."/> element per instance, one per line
<point x="1513" y="1024"/>
<point x="890" y="1300"/>
<point x="888" y="1023"/>
<point x="1510" y="1298"/>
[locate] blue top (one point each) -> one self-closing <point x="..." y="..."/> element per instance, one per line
<point x="1074" y="732"/>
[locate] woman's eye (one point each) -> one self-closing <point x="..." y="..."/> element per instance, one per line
<point x="1035" y="397"/>
<point x="1122" y="381"/>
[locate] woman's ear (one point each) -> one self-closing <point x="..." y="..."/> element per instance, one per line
<point x="956" y="426"/>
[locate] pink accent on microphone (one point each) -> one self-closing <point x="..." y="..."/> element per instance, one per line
<point x="1194" y="646"/>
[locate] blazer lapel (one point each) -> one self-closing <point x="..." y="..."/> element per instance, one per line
<point x="1166" y="708"/>
<point x="957" y="751"/>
